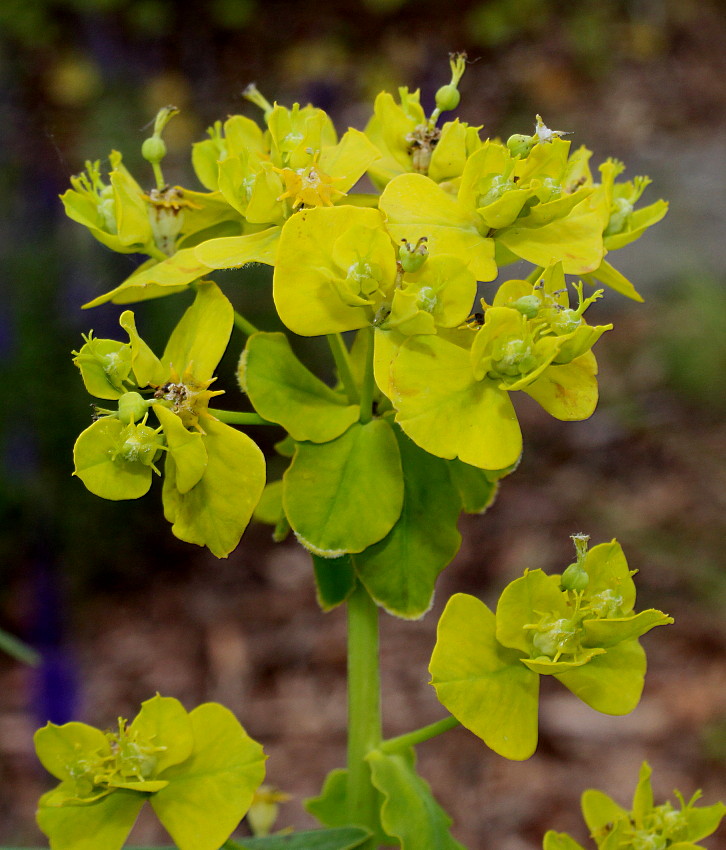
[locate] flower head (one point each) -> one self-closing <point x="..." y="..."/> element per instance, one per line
<point x="201" y="763"/>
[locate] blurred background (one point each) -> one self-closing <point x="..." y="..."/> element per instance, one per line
<point x="119" y="609"/>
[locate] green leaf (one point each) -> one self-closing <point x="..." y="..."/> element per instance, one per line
<point x="59" y="748"/>
<point x="415" y="206"/>
<point x="559" y="841"/>
<point x="17" y="649"/>
<point x="345" y="495"/>
<point x="104" y="365"/>
<point x="147" y="367"/>
<point x="216" y="511"/>
<point x="704" y="821"/>
<point x="165" y="723"/>
<point x="186" y="447"/>
<point x="576" y="240"/>
<point x="231" y="252"/>
<point x="319" y="285"/>
<point x="605" y="273"/>
<point x="611" y="683"/>
<point x="345" y="838"/>
<point x="476" y="491"/>
<point x="334" y="580"/>
<point x="200" y="338"/>
<point x="567" y="392"/>
<point x="409" y="811"/>
<point x="331" y="807"/>
<point x="446" y="411"/>
<point x="102" y="825"/>
<point x="484" y="685"/>
<point x="209" y="793"/>
<point x="269" y="508"/>
<point x="155" y="279"/>
<point x="599" y="810"/>
<point x="282" y="390"/>
<point x="102" y="475"/>
<point x="522" y="602"/>
<point x="614" y="630"/>
<point x="400" y="571"/>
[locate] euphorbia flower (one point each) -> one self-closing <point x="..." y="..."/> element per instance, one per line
<point x="301" y="164"/>
<point x="199" y="771"/>
<point x="452" y="394"/>
<point x="411" y="143"/>
<point x="486" y="668"/>
<point x="646" y="826"/>
<point x="158" y="223"/>
<point x="519" y="208"/>
<point x="337" y="270"/>
<point x="214" y="474"/>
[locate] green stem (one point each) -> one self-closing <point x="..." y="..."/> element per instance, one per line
<point x="243" y="325"/>
<point x="158" y="176"/>
<point x="342" y="364"/>
<point x="234" y="417"/>
<point x="418" y="736"/>
<point x="19" y="650"/>
<point x="368" y="388"/>
<point x="534" y="274"/>
<point x="156" y="253"/>
<point x="364" y="706"/>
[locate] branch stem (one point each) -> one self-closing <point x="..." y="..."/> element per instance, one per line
<point x="343" y="365"/>
<point x="418" y="736"/>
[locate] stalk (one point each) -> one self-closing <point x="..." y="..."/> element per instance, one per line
<point x="418" y="736"/>
<point x="364" y="707"/>
<point x="235" y="417"/>
<point x="368" y="388"/>
<point x="342" y="364"/>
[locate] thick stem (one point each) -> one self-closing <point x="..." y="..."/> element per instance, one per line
<point x="369" y="385"/>
<point x="418" y="736"/>
<point x="364" y="706"/>
<point x="342" y="364"/>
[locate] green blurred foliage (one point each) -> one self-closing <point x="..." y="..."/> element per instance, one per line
<point x="691" y="344"/>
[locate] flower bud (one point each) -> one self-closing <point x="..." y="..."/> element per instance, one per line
<point x="412" y="257"/>
<point x="520" y="145"/>
<point x="132" y="407"/>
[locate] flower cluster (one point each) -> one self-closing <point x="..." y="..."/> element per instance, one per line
<point x="579" y="627"/>
<point x="199" y="770"/>
<point x="214" y="474"/>
<point x="646" y="826"/>
<point x="440" y="348"/>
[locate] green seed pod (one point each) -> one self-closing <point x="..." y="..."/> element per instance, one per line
<point x="574" y="578"/>
<point x="132" y="407"/>
<point x="528" y="305"/>
<point x="447" y="97"/>
<point x="153" y="149"/>
<point x="139" y="443"/>
<point x="565" y="322"/>
<point x="412" y="257"/>
<point x="520" y="145"/>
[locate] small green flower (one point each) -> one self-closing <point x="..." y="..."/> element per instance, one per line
<point x="199" y="770"/>
<point x="214" y="474"/>
<point x="451" y="391"/>
<point x="486" y="667"/>
<point x="646" y="826"/>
